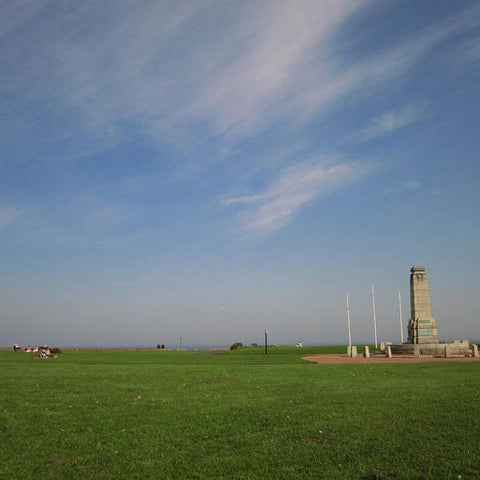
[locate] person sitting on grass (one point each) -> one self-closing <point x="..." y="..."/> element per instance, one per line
<point x="46" y="353"/>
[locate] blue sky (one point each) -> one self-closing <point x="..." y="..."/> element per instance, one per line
<point x="207" y="169"/>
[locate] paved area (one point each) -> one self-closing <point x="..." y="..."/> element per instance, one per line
<point x="342" y="358"/>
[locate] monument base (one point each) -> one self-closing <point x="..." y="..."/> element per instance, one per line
<point x="457" y="347"/>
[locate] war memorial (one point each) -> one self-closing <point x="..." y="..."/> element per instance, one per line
<point x="423" y="336"/>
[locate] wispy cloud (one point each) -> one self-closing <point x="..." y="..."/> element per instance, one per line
<point x="107" y="69"/>
<point x="338" y="79"/>
<point x="204" y="71"/>
<point x="247" y="94"/>
<point x="295" y="187"/>
<point x="391" y="121"/>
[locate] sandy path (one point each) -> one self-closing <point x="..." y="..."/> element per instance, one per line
<point x="342" y="358"/>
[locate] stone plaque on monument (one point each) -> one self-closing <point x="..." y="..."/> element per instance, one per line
<point x="422" y="328"/>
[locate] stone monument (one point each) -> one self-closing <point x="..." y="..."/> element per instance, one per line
<point x="422" y="328"/>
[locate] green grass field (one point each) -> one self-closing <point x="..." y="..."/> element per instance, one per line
<point x="236" y="415"/>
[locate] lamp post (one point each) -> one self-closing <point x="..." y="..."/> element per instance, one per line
<point x="266" y="341"/>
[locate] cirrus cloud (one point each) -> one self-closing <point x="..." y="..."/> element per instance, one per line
<point x="391" y="121"/>
<point x="294" y="188"/>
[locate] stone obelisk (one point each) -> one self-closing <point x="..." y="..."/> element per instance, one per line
<point x="422" y="328"/>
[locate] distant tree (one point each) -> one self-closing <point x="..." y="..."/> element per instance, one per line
<point x="236" y="346"/>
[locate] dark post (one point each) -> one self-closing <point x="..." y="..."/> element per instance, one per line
<point x="266" y="342"/>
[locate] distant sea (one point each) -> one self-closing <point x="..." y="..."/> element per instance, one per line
<point x="143" y="347"/>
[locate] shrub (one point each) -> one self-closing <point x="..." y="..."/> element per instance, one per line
<point x="236" y="346"/>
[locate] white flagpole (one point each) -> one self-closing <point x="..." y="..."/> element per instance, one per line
<point x="400" y="315"/>
<point x="348" y="323"/>
<point x="374" y="316"/>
